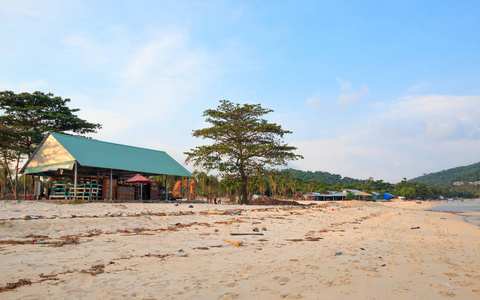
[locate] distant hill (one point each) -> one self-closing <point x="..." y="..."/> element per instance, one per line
<point x="321" y="176"/>
<point x="446" y="178"/>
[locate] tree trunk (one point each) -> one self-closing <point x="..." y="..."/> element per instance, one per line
<point x="9" y="176"/>
<point x="243" y="185"/>
<point x="243" y="193"/>
<point x="15" y="193"/>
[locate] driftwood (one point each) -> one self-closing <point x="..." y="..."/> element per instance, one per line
<point x="249" y="233"/>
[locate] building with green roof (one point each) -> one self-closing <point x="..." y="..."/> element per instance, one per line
<point x="60" y="154"/>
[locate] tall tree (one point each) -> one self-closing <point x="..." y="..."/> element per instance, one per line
<point x="244" y="145"/>
<point x="26" y="119"/>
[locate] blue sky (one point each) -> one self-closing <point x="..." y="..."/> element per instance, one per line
<point x="382" y="89"/>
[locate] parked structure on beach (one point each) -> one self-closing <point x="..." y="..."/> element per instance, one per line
<point x="337" y="196"/>
<point x="87" y="169"/>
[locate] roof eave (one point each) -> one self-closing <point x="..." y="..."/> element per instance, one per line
<point x="22" y="170"/>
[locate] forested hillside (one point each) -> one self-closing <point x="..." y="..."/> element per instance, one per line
<point x="321" y="176"/>
<point x="446" y="178"/>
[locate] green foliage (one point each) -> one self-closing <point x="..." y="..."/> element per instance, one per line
<point x="207" y="185"/>
<point x="321" y="176"/>
<point x="446" y="178"/>
<point x="26" y="119"/>
<point x="350" y="196"/>
<point x="244" y="145"/>
<point x="407" y="189"/>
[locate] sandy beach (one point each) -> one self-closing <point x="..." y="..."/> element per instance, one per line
<point x="334" y="250"/>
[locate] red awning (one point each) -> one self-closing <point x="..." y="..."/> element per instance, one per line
<point x="138" y="179"/>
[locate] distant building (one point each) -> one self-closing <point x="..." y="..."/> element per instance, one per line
<point x="458" y="183"/>
<point x="336" y="196"/>
<point x="359" y="194"/>
<point x="328" y="196"/>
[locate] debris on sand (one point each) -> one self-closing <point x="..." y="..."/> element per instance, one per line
<point x="95" y="270"/>
<point x="270" y="201"/>
<point x="13" y="285"/>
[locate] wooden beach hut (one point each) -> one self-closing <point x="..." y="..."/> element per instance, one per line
<point x="89" y="169"/>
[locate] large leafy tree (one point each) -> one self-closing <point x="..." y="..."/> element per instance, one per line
<point x="26" y="119"/>
<point x="243" y="144"/>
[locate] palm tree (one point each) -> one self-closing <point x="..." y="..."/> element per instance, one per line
<point x="282" y="187"/>
<point x="293" y="183"/>
<point x="262" y="185"/>
<point x="273" y="180"/>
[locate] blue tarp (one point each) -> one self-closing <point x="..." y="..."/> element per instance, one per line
<point x="385" y="196"/>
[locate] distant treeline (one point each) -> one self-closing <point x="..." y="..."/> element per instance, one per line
<point x="321" y="176"/>
<point x="293" y="184"/>
<point x="324" y="181"/>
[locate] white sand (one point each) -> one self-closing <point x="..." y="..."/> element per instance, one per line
<point x="356" y="251"/>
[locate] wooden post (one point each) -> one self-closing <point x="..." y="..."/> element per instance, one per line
<point x="111" y="183"/>
<point x="188" y="188"/>
<point x="75" y="182"/>
<point x="166" y="187"/>
<point x="25" y="187"/>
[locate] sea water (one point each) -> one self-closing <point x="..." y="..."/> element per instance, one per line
<point x="465" y="208"/>
<point x="458" y="206"/>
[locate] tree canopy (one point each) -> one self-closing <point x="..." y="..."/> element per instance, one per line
<point x="321" y="176"/>
<point x="27" y="118"/>
<point x="243" y="144"/>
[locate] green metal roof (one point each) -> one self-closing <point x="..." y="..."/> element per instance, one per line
<point x="98" y="154"/>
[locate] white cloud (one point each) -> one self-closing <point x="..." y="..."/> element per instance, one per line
<point x="413" y="136"/>
<point x="91" y="52"/>
<point x="22" y="12"/>
<point x="348" y="98"/>
<point x="344" y="85"/>
<point x="347" y="156"/>
<point x="417" y="87"/>
<point x="22" y="8"/>
<point x="314" y="102"/>
<point x="155" y="87"/>
<point x="25" y="86"/>
<point x="163" y="75"/>
<point x="435" y="117"/>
